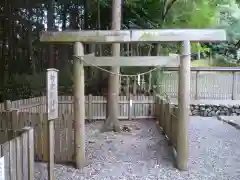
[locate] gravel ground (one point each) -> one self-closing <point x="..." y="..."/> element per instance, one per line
<point x="143" y="154"/>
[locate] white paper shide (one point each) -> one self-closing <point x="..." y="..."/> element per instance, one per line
<point x="2" y="171"/>
<point x="52" y="93"/>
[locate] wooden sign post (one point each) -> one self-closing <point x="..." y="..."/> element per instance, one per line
<point x="124" y="36"/>
<point x="52" y="113"/>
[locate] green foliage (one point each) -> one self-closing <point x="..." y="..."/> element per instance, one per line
<point x="24" y="86"/>
<point x="228" y="17"/>
<point x="65" y="80"/>
<point x="26" y="61"/>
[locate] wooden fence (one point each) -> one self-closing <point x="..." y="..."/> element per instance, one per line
<point x="166" y="114"/>
<point x="215" y="83"/>
<point x="95" y="106"/>
<point x="64" y="133"/>
<point x="18" y="153"/>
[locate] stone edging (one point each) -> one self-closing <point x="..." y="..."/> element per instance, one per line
<point x="232" y="123"/>
<point x="209" y="110"/>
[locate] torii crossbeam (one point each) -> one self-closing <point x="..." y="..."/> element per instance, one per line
<point x="145" y="61"/>
<point x="126" y="36"/>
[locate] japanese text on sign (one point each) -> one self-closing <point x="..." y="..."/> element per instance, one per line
<point x="52" y="93"/>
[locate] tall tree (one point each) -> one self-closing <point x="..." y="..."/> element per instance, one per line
<point x="111" y="122"/>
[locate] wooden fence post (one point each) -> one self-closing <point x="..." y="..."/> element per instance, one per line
<point x="14" y="121"/>
<point x="134" y="86"/>
<point x="163" y="115"/>
<point x="128" y="87"/>
<point x="52" y="114"/>
<point x="168" y="121"/>
<point x="130" y="105"/>
<point x="234" y="86"/>
<point x="196" y="90"/>
<point x="90" y="107"/>
<point x="31" y="171"/>
<point x="162" y="112"/>
<point x="174" y="126"/>
<point x="157" y="109"/>
<point x="7" y="105"/>
<point x="19" y="156"/>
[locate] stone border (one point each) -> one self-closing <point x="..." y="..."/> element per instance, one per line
<point x="230" y="122"/>
<point x="209" y="110"/>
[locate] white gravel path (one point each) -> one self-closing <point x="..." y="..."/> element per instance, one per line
<point x="143" y="154"/>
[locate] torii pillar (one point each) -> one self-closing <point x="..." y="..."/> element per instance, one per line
<point x="183" y="105"/>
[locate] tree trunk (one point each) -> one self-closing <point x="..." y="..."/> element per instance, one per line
<point x="199" y="52"/>
<point x="112" y="123"/>
<point x="30" y="47"/>
<point x="64" y="50"/>
<point x="99" y="25"/>
<point x="50" y="27"/>
<point x="10" y="39"/>
<point x="3" y="64"/>
<point x="86" y="24"/>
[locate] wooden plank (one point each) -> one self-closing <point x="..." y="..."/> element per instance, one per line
<point x="6" y="154"/>
<point x="45" y="137"/>
<point x="19" y="151"/>
<point x="57" y="139"/>
<point x="145" y="35"/>
<point x="3" y="134"/>
<point x="9" y="131"/>
<point x="63" y="138"/>
<point x="39" y="137"/>
<point x="70" y="135"/>
<point x="24" y="144"/>
<point x="169" y="61"/>
<point x="34" y="123"/>
<point x="13" y="172"/>
<point x="90" y="108"/>
<point x="14" y="122"/>
<point x="2" y="169"/>
<point x="31" y="172"/>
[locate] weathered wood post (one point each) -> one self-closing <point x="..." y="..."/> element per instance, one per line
<point x="130" y="106"/>
<point x="52" y="114"/>
<point x="7" y="105"/>
<point x="183" y="106"/>
<point x="79" y="105"/>
<point x="134" y="86"/>
<point x="234" y="85"/>
<point x="196" y="89"/>
<point x="90" y="108"/>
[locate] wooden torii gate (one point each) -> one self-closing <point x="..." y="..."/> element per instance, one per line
<point x="127" y="36"/>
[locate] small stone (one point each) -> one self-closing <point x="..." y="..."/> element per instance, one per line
<point x="126" y="129"/>
<point x="108" y="141"/>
